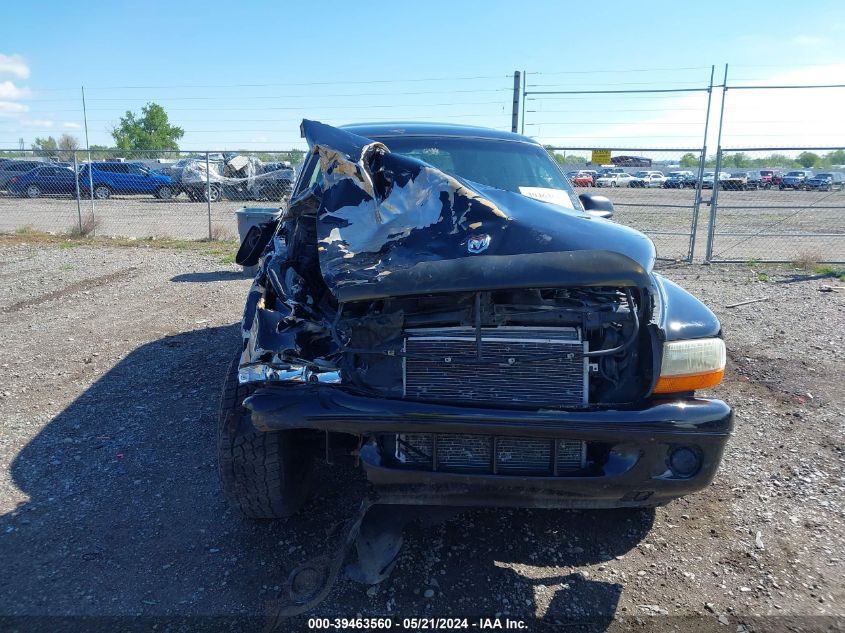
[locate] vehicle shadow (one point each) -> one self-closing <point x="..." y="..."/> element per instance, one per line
<point x="207" y="276"/>
<point x="124" y="513"/>
<point x="124" y="516"/>
<point x="800" y="278"/>
<point x="518" y="564"/>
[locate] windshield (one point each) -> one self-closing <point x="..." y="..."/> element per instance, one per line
<point x="641" y="174"/>
<point x="510" y="165"/>
<point x="505" y="165"/>
<point x="823" y="176"/>
<point x="795" y="173"/>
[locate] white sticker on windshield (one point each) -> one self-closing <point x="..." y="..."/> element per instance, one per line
<point x="555" y="196"/>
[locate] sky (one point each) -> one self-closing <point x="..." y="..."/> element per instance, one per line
<point x="242" y="75"/>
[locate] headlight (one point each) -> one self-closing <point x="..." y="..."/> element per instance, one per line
<point x="691" y="365"/>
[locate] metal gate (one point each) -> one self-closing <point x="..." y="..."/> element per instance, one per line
<point x="775" y="213"/>
<point x="666" y="210"/>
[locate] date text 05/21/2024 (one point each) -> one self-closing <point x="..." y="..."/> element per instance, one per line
<point x="416" y="624"/>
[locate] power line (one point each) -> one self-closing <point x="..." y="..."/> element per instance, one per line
<point x="621" y="83"/>
<point x="279" y="97"/>
<point x="626" y="70"/>
<point x="297" y="84"/>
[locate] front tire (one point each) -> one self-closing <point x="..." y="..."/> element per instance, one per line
<point x="102" y="192"/>
<point x="33" y="191"/>
<point x="264" y="475"/>
<point x="164" y="193"/>
<point x="211" y="194"/>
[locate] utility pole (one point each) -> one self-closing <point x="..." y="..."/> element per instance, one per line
<point x="515" y="111"/>
<point x="524" y="86"/>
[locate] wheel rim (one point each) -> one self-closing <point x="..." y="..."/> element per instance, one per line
<point x="32" y="191"/>
<point x="102" y="193"/>
<point x="165" y="192"/>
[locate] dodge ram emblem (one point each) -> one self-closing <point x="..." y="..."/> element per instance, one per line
<point x="478" y="244"/>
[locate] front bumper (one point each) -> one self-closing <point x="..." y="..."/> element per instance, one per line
<point x="635" y="471"/>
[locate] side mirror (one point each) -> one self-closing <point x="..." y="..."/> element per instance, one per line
<point x="599" y="206"/>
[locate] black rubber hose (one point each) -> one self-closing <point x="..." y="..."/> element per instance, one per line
<point x="619" y="348"/>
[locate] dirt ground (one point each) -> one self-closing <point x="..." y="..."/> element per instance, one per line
<point x="110" y="371"/>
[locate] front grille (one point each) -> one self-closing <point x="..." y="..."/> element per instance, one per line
<point x="518" y="365"/>
<point x="459" y="452"/>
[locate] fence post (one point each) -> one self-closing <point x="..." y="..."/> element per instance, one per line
<point x="90" y="167"/>
<point x="696" y="207"/>
<point x="208" y="193"/>
<point x="714" y="199"/>
<point x="515" y="110"/>
<point x="76" y="181"/>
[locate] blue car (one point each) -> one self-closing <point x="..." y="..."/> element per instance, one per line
<point x="44" y="180"/>
<point x="110" y="178"/>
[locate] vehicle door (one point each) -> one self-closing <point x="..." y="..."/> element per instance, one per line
<point x="118" y="176"/>
<point x="46" y="179"/>
<point x="140" y="179"/>
<point x="64" y="181"/>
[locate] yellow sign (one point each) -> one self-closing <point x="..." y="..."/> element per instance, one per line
<point x="601" y="157"/>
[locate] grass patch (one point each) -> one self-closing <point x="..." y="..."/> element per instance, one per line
<point x="26" y="229"/>
<point x="41" y="238"/>
<point x="67" y="267"/>
<point x="828" y="270"/>
<point x="762" y="277"/>
<point x="228" y="259"/>
<point x="751" y="263"/>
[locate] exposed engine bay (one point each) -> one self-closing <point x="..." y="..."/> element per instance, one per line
<point x="359" y="289"/>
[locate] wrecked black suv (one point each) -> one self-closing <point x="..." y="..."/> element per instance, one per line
<point x="436" y="304"/>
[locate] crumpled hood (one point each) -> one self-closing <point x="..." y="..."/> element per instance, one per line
<point x="383" y="214"/>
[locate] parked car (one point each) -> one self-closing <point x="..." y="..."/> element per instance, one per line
<point x="583" y="179"/>
<point x="453" y="355"/>
<point x="827" y="181"/>
<point x="230" y="175"/>
<point x="680" y="180"/>
<point x="592" y="172"/>
<point x="769" y="178"/>
<point x="11" y="168"/>
<point x="795" y="179"/>
<point x="737" y="181"/>
<point x="614" y="179"/>
<point x="609" y="171"/>
<point x="648" y="179"/>
<point x="111" y="177"/>
<point x="709" y="177"/>
<point x="44" y="180"/>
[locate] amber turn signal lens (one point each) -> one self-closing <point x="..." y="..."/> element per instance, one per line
<point x="693" y="382"/>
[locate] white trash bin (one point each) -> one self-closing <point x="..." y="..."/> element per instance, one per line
<point x="249" y="217"/>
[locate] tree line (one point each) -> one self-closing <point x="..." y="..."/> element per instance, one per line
<point x="741" y="160"/>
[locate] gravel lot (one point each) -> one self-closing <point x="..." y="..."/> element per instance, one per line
<point x="791" y="224"/>
<point x="112" y="363"/>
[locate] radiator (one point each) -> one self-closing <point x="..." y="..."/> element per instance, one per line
<point x="442" y="365"/>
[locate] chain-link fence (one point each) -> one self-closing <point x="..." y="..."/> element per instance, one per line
<point x="140" y="194"/>
<point x="778" y="204"/>
<point x="652" y="191"/>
